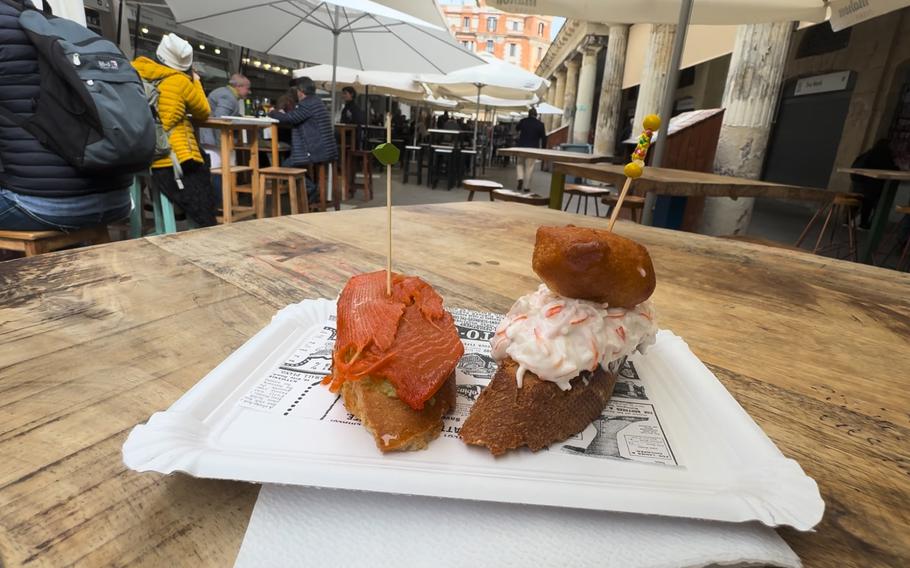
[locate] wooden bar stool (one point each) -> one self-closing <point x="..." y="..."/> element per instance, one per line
<point x="467" y="163"/>
<point x="483" y="185"/>
<point x="363" y="158"/>
<point x="905" y="254"/>
<point x="580" y="191"/>
<point x="284" y="180"/>
<point x="443" y="162"/>
<point x="519" y="197"/>
<point x="895" y="242"/>
<point x="633" y="204"/>
<point x="415" y="152"/>
<point x="39" y="242"/>
<point x="844" y="206"/>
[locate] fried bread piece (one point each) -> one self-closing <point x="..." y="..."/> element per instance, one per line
<point x="506" y="417"/>
<point x="593" y="264"/>
<point x="393" y="424"/>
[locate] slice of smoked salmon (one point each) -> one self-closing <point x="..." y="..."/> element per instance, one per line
<point x="407" y="338"/>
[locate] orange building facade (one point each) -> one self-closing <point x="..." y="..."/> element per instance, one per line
<point x="517" y="38"/>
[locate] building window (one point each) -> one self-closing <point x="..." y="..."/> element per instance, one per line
<point x="513" y="49"/>
<point x="466" y="24"/>
<point x="539" y="53"/>
<point x="540" y="29"/>
<point x="516" y="25"/>
<point x="489" y="46"/>
<point x="491" y="24"/>
<point x="464" y="43"/>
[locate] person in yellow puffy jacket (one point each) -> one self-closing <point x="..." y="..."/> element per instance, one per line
<point x="181" y="103"/>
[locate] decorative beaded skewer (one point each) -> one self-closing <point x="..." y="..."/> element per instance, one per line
<point x="388" y="154"/>
<point x="636" y="167"/>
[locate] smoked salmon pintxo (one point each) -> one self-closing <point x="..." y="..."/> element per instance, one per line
<point x="393" y="354"/>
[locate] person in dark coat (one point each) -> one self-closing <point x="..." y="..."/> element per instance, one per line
<point x="39" y="190"/>
<point x="313" y="139"/>
<point x="531" y="134"/>
<point x="350" y="112"/>
<point x="878" y="157"/>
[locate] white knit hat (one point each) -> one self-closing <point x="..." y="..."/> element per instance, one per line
<point x="175" y="52"/>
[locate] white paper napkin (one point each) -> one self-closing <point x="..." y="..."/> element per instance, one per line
<point x="302" y="526"/>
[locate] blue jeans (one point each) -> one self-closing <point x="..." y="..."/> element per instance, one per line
<point x="14" y="217"/>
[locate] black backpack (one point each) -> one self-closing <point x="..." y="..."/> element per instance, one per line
<point x="92" y="109"/>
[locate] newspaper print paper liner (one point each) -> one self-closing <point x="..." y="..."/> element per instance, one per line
<point x="242" y="422"/>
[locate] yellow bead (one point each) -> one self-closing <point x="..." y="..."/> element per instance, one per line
<point x="652" y="122"/>
<point x="632" y="170"/>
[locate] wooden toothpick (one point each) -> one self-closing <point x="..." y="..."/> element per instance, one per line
<point x="388" y="206"/>
<point x="622" y="197"/>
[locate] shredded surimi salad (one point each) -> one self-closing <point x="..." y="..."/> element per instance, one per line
<point x="557" y="338"/>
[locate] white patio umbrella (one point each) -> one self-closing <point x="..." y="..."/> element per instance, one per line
<point x="402" y="85"/>
<point x="547" y="108"/>
<point x="359" y="34"/>
<point x="494" y="77"/>
<point x="514" y="105"/>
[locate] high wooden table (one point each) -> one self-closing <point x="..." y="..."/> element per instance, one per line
<point x="884" y="208"/>
<point x="96" y="340"/>
<point x="667" y="181"/>
<point x="548" y="156"/>
<point x="226" y="127"/>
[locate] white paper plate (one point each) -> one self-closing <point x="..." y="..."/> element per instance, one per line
<point x="721" y="465"/>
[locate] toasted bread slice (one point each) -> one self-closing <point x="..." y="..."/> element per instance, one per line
<point x="394" y="425"/>
<point x="538" y="414"/>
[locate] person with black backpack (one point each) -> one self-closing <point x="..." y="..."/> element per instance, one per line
<point x="40" y="189"/>
<point x="181" y="173"/>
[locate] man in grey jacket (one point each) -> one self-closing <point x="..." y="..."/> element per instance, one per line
<point x="224" y="101"/>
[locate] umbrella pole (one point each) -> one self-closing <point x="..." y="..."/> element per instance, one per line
<point x="335" y="34"/>
<point x="679" y="41"/>
<point x="477" y="115"/>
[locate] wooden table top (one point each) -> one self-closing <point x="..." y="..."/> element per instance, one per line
<point x="897" y="175"/>
<point x="668" y="181"/>
<point x="246" y="123"/>
<point x="548" y="155"/>
<point x="96" y="340"/>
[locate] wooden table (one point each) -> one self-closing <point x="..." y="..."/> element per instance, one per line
<point x="231" y="209"/>
<point x="96" y="340"/>
<point x="884" y="208"/>
<point x="667" y="181"/>
<point x="548" y="156"/>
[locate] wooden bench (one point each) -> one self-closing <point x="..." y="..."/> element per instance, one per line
<point x="580" y="191"/>
<point x="483" y="185"/>
<point x="519" y="197"/>
<point x="39" y="242"/>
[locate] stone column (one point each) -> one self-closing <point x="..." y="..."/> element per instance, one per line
<point x="560" y="96"/>
<point x="568" y="104"/>
<point x="654" y="74"/>
<point x="551" y="99"/>
<point x="750" y="99"/>
<point x="584" y="103"/>
<point x="608" y="124"/>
